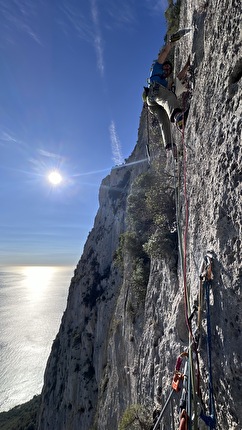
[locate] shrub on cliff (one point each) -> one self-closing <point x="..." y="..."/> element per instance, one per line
<point x="172" y="15"/>
<point x="136" y="417"/>
<point x="152" y="214"/>
<point x="21" y="417"/>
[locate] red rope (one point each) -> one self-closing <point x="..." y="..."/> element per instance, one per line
<point x="183" y="421"/>
<point x="185" y="254"/>
<point x="186" y="230"/>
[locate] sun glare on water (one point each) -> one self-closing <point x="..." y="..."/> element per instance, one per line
<point x="55" y="177"/>
<point x="37" y="279"/>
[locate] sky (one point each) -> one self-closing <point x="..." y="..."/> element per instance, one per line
<point x="71" y="74"/>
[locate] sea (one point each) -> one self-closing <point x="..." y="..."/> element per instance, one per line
<point x="32" y="302"/>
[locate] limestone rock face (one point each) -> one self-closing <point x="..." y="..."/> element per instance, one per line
<point x="112" y="352"/>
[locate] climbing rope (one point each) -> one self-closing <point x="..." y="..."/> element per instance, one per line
<point x="178" y="378"/>
<point x="163" y="410"/>
<point x="191" y="399"/>
<point x="194" y="376"/>
<point x="183" y="421"/>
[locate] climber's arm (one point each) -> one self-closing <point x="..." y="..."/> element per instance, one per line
<point x="163" y="54"/>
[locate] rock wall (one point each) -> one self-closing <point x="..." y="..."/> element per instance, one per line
<point x="105" y="358"/>
<point x="213" y="141"/>
<point x="77" y="369"/>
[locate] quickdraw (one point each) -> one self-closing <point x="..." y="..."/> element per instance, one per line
<point x="205" y="274"/>
<point x="206" y="278"/>
<point x="206" y="271"/>
<point x="176" y="386"/>
<point x="178" y="376"/>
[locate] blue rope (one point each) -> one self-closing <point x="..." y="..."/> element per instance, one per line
<point x="210" y="420"/>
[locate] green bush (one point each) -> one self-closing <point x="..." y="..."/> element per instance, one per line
<point x="139" y="279"/>
<point x="131" y="244"/>
<point x="128" y="243"/>
<point x="172" y="15"/>
<point x="160" y="245"/>
<point x="136" y="417"/>
<point x="152" y="215"/>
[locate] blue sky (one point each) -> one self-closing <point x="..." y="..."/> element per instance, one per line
<point x="72" y="74"/>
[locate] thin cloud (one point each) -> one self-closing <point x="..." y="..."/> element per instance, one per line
<point x="16" y="16"/>
<point x="98" y="43"/>
<point x="49" y="154"/>
<point x="122" y="13"/>
<point x="156" y="5"/>
<point x="116" y="146"/>
<point x="86" y="29"/>
<point x="33" y="35"/>
<point x="75" y="20"/>
<point x="7" y="137"/>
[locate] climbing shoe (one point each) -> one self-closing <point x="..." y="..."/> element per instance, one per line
<point x="181" y="119"/>
<point x="175" y="113"/>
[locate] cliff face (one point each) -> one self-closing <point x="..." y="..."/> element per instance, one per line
<point x="113" y="347"/>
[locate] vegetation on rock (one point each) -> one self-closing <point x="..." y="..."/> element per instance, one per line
<point x="21" y="417"/>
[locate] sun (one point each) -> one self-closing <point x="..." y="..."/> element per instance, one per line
<point x="54" y="177"/>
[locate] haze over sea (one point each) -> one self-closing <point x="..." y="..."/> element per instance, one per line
<point x="32" y="302"/>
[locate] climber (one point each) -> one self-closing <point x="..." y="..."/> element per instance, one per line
<point x="161" y="100"/>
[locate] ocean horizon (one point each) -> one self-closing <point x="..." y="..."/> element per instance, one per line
<point x="32" y="302"/>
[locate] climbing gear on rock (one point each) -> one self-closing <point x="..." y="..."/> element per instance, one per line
<point x="181" y="119"/>
<point x="206" y="272"/>
<point x="177" y="378"/>
<point x="180" y="33"/>
<point x="206" y="276"/>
